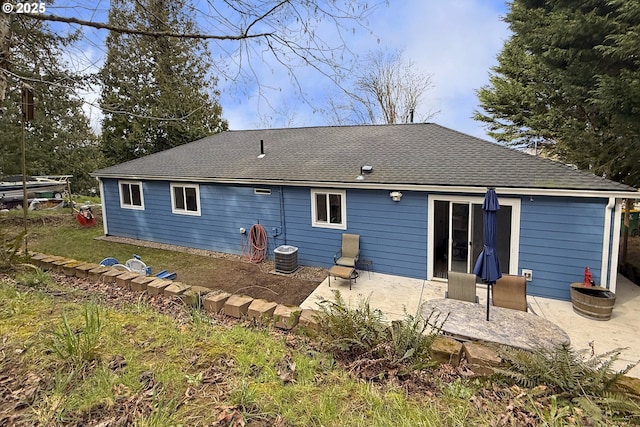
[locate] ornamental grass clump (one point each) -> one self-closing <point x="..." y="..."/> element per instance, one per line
<point x="78" y="346"/>
<point x="10" y="256"/>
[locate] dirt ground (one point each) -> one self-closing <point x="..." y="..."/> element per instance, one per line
<point x="235" y="275"/>
<point x="230" y="273"/>
<point x="239" y="277"/>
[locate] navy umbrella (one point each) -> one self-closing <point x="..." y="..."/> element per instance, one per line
<point x="488" y="266"/>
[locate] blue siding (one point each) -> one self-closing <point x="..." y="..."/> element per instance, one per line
<point x="559" y="237"/>
<point x="224" y="210"/>
<point x="392" y="234"/>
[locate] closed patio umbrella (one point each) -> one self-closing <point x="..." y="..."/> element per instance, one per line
<point x="488" y="266"/>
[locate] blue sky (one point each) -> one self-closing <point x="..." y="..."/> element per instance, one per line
<point x="454" y="41"/>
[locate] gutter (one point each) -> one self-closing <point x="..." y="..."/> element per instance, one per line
<point x="606" y="243"/>
<point x="396" y="187"/>
<point x="615" y="250"/>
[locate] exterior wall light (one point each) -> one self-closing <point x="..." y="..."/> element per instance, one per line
<point x="395" y="196"/>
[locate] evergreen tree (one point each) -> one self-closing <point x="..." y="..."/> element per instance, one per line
<point x="59" y="141"/>
<point x="567" y="80"/>
<point x="156" y="91"/>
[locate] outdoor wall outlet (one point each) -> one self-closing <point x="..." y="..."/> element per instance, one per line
<point x="528" y="274"/>
<point x="242" y="230"/>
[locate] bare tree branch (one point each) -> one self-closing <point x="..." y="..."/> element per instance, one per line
<point x="386" y="89"/>
<point x="143" y="32"/>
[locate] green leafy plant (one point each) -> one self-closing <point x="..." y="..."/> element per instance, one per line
<point x="78" y="346"/>
<point x="586" y="382"/>
<point x="361" y="331"/>
<point x="412" y="337"/>
<point x="351" y="332"/>
<point x="553" y="414"/>
<point x="34" y="277"/>
<point x="9" y="251"/>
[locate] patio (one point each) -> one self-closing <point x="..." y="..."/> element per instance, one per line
<point x="394" y="294"/>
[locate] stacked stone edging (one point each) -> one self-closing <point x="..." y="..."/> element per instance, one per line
<point x="212" y="301"/>
<point x="482" y="358"/>
<point x="446" y="349"/>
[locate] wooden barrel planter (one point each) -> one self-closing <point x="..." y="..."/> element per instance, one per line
<point x="593" y="302"/>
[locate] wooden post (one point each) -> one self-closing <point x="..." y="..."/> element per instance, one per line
<point x="625" y="236"/>
<point x="27" y="115"/>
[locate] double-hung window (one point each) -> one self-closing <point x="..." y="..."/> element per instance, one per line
<point x="131" y="195"/>
<point x="185" y="199"/>
<point x="329" y="209"/>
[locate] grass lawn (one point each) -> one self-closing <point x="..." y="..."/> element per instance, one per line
<point x="55" y="232"/>
<point x="66" y="359"/>
<point x="75" y="353"/>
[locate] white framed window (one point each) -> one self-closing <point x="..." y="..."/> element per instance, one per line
<point x="329" y="208"/>
<point x="131" y="196"/>
<point x="185" y="199"/>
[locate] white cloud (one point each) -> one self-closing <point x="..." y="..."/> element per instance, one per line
<point x="454" y="41"/>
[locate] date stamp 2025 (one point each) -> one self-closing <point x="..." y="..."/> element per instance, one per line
<point x="25" y="7"/>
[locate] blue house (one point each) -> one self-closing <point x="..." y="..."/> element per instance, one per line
<point x="412" y="192"/>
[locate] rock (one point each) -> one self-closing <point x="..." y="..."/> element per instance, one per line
<point x="309" y="319"/>
<point x="446" y="350"/>
<point x="482" y="358"/>
<point x="175" y="289"/>
<point x="158" y="286"/>
<point x="140" y="283"/>
<point x="214" y="301"/>
<point x="193" y="296"/>
<point x="237" y="306"/>
<point x="261" y="310"/>
<point x="124" y="280"/>
<point x="286" y="317"/>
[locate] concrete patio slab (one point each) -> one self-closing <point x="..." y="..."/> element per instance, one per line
<point x="393" y="294"/>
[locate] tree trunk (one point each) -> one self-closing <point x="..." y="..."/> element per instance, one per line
<point x="5" y="41"/>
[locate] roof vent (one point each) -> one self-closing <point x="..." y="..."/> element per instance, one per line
<point x="261" y="149"/>
<point x="364" y="169"/>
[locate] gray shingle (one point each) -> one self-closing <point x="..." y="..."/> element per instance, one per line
<point x="422" y="154"/>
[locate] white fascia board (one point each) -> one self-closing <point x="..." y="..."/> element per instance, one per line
<point x="398" y="187"/>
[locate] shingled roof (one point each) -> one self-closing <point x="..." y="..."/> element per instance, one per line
<point x="411" y="154"/>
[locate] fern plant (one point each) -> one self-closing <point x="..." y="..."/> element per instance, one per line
<point x="586" y="382"/>
<point x="351" y="332"/>
<point x="412" y="337"/>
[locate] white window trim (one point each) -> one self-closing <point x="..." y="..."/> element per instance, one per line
<point x="122" y="203"/>
<point x="343" y="208"/>
<point x="185" y="211"/>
